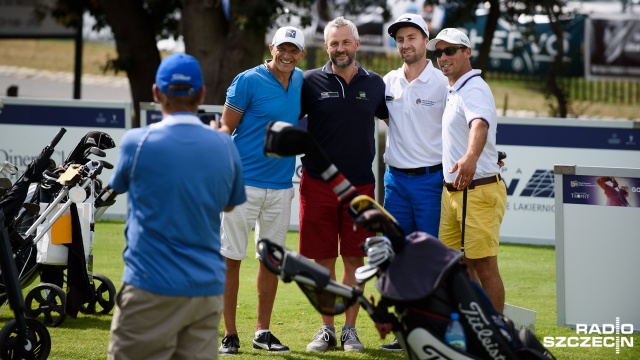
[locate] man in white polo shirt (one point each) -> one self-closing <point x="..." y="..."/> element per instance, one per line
<point x="471" y="170"/>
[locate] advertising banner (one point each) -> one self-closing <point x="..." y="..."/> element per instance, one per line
<point x="513" y="51"/>
<point x="601" y="190"/>
<point x="597" y="227"/>
<point x="535" y="145"/>
<point x="612" y="47"/>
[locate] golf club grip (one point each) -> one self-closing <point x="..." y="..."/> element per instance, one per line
<point x="58" y="137"/>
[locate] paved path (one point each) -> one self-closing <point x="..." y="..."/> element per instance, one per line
<point x="34" y="83"/>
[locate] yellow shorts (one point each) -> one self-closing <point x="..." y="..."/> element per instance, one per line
<point x="486" y="205"/>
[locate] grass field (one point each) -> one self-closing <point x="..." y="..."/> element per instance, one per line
<point x="510" y="95"/>
<point x="528" y="273"/>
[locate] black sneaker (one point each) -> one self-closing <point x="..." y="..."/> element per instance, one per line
<point x="393" y="346"/>
<point x="230" y="345"/>
<point x="267" y="341"/>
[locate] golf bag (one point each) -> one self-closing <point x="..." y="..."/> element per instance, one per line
<point x="419" y="278"/>
<point x="31" y="207"/>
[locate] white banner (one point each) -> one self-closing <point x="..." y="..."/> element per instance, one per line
<point x="534" y="146"/>
<point x="28" y="125"/>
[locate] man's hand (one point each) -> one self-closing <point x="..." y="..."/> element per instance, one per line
<point x="466" y="168"/>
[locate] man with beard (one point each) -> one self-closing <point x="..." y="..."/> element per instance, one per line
<point x="341" y="100"/>
<point x="415" y="97"/>
<point x="415" y="94"/>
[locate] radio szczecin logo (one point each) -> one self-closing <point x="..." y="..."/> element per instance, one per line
<point x="595" y="336"/>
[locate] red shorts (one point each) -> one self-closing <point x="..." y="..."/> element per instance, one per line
<point x="324" y="224"/>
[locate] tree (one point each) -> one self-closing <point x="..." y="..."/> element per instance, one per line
<point x="225" y="43"/>
<point x="553" y="10"/>
<point x="135" y="24"/>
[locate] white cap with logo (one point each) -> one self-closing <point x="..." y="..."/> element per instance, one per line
<point x="450" y="35"/>
<point x="408" y="20"/>
<point x="289" y="34"/>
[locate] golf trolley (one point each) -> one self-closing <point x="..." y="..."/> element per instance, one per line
<point x="419" y="278"/>
<point x="31" y="209"/>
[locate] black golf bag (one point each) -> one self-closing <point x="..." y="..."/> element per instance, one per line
<point x="419" y="279"/>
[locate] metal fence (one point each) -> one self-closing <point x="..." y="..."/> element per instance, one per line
<point x="625" y="92"/>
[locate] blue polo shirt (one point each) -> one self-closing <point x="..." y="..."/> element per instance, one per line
<point x="180" y="174"/>
<point x="261" y="98"/>
<point x="341" y="118"/>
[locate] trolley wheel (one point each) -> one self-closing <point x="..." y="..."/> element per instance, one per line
<point x="104" y="298"/>
<point x="46" y="302"/>
<point x="37" y="344"/>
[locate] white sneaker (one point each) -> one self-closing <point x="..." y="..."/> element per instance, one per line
<point x="323" y="340"/>
<point x="349" y="340"/>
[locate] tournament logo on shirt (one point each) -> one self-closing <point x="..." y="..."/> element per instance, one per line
<point x="424" y="102"/>
<point x="362" y="95"/>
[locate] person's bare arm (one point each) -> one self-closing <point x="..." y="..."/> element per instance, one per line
<point x="229" y="121"/>
<point x="466" y="166"/>
<point x="228" y="208"/>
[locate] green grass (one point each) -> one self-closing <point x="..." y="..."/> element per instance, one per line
<point x="528" y="273"/>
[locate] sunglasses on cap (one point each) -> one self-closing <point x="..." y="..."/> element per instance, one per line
<point x="449" y="51"/>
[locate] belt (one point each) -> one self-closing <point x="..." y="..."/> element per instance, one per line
<point x="474" y="183"/>
<point x="420" y="170"/>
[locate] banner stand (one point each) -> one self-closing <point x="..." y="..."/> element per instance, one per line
<point x="597" y="247"/>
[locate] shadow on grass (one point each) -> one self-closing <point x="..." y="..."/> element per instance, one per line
<point x="328" y="355"/>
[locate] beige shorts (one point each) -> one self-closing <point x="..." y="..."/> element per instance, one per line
<point x="486" y="205"/>
<point x="151" y="326"/>
<point x="269" y="210"/>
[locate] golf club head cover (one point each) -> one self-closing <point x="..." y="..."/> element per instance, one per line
<point x="284" y="139"/>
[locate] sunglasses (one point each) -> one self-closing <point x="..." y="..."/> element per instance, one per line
<point x="450" y="51"/>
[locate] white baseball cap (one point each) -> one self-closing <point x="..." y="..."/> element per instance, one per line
<point x="408" y="19"/>
<point x="450" y="35"/>
<point x="289" y="34"/>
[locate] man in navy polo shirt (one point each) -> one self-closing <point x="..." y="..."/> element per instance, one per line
<point x="171" y="299"/>
<point x="341" y="100"/>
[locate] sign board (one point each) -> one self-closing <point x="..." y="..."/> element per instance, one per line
<point x="18" y="19"/>
<point x="534" y="146"/>
<point x="597" y="246"/>
<point x="28" y="125"/>
<point x="612" y="47"/>
<point x="513" y="52"/>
